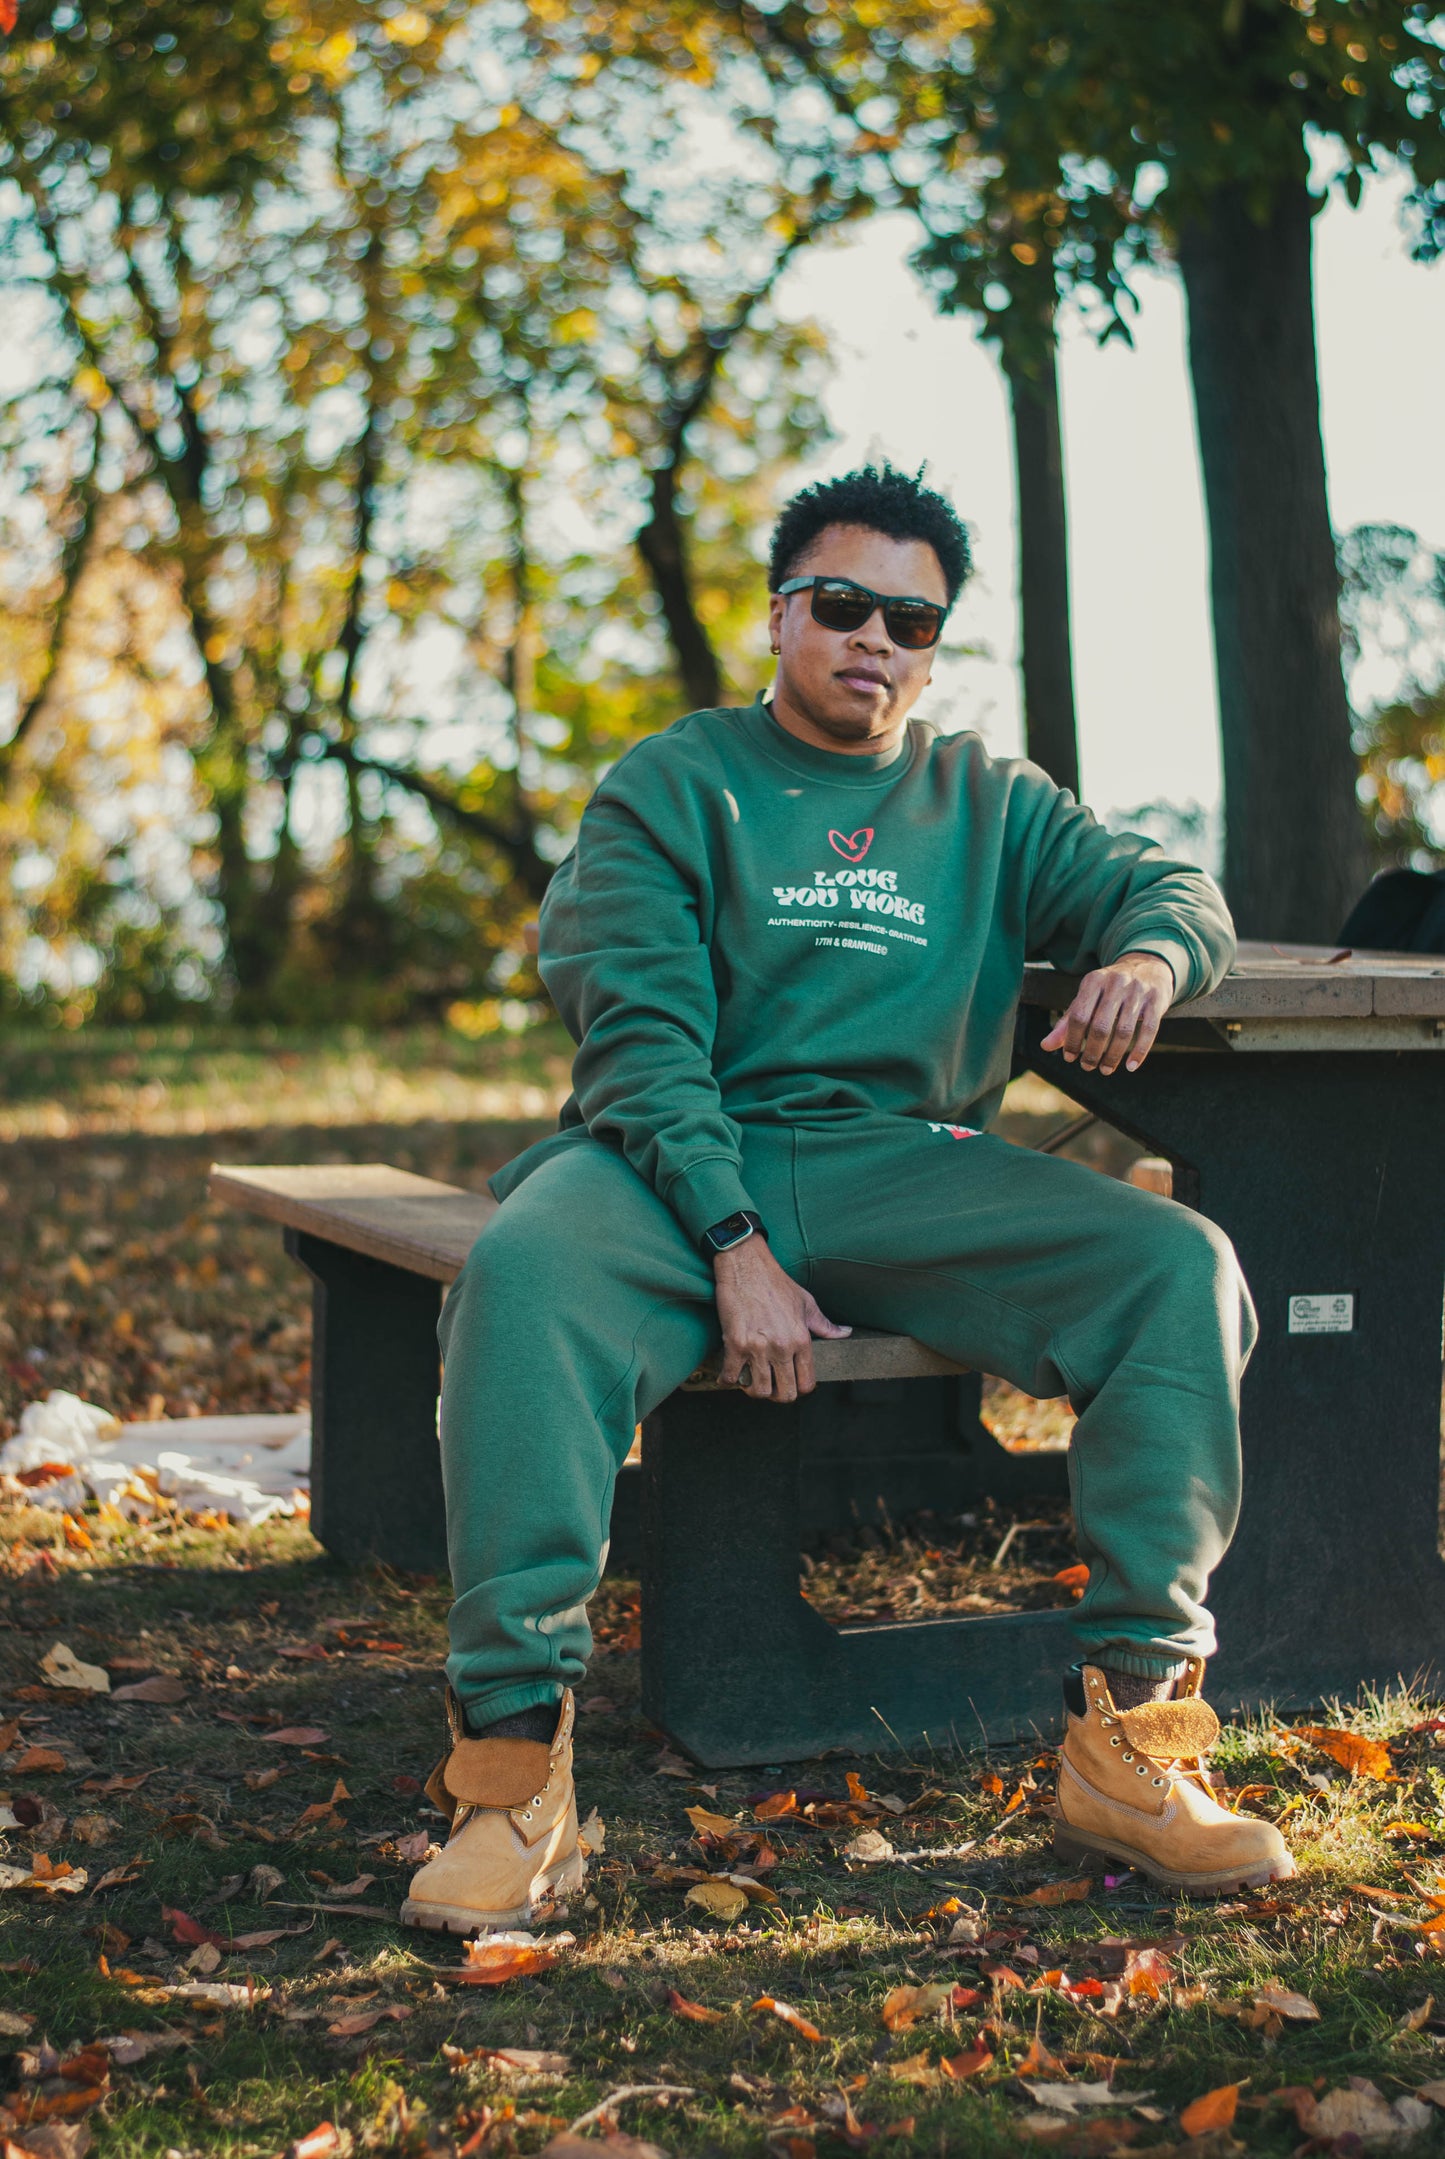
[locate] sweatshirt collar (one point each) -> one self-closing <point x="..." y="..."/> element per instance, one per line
<point x="834" y="766"/>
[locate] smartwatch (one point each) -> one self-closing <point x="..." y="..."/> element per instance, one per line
<point x="733" y="1229"/>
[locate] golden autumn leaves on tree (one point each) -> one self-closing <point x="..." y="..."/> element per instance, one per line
<point x="408" y="402"/>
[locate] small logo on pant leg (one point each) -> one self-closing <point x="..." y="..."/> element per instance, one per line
<point x="956" y="1131"/>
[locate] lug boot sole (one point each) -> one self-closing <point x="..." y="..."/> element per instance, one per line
<point x="546" y="1892"/>
<point x="1075" y="1844"/>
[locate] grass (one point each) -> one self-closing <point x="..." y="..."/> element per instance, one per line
<point x="241" y="1621"/>
<point x="226" y="1611"/>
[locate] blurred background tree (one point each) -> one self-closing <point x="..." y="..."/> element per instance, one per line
<point x="406" y="412"/>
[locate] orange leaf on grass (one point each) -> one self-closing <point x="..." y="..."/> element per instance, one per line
<point x="966" y="2064"/>
<point x="295" y="1735"/>
<point x="1038" y="2062"/>
<point x="188" y="1930"/>
<point x="694" y="2012"/>
<point x="857" y="1790"/>
<point x="1362" y="1757"/>
<point x="316" y="2143"/>
<point x="1213" y="2110"/>
<point x="39" y="1761"/>
<point x="1147" y="1972"/>
<point x="903" y="2006"/>
<point x="1058" y="1892"/>
<point x="1076" y="1577"/>
<point x="492" y="1963"/>
<point x="775" y="1805"/>
<point x="791" y="2017"/>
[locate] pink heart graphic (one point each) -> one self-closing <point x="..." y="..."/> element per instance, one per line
<point x="856" y="845"/>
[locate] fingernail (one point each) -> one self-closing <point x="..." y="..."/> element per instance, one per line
<point x="1133" y="1064"/>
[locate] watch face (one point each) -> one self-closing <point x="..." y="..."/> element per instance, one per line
<point x="732" y="1230"/>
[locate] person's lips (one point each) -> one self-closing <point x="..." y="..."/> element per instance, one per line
<point x="862" y="678"/>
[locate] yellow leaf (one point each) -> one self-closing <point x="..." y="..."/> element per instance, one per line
<point x="713" y="1825"/>
<point x="720" y="1900"/>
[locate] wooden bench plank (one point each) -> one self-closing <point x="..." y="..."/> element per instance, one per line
<point x="427" y="1228"/>
<point x="415" y="1223"/>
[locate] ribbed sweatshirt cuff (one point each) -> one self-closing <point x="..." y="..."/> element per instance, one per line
<point x="705" y="1193"/>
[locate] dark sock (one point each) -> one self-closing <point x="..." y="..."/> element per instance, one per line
<point x="1130" y="1691"/>
<point x="539" y="1722"/>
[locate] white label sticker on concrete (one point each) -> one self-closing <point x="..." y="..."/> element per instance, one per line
<point x="1330" y="1314"/>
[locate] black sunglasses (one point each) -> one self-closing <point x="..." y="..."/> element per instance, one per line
<point x="839" y="604"/>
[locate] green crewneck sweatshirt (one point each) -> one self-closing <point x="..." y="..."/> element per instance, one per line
<point x="754" y="931"/>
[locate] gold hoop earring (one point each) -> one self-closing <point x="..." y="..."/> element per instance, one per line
<point x="777" y="650"/>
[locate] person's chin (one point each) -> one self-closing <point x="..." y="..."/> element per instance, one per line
<point x="852" y="719"/>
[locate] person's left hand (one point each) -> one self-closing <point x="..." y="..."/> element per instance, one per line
<point x="1115" y="1014"/>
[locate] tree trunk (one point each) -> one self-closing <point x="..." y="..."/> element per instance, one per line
<point x="1047" y="661"/>
<point x="662" y="544"/>
<point x="1296" y="852"/>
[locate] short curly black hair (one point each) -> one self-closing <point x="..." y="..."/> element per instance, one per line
<point x="883" y="499"/>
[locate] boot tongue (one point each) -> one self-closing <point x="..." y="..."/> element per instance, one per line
<point x="1167" y="1731"/>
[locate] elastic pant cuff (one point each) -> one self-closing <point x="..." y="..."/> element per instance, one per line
<point x="485" y="1708"/>
<point x="1139" y="1663"/>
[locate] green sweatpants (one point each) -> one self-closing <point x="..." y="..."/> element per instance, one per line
<point x="584" y="1304"/>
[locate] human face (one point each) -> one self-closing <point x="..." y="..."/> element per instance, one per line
<point x="852" y="690"/>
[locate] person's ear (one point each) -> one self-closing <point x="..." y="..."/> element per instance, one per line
<point x="775" y="623"/>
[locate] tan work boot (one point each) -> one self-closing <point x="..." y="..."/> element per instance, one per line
<point x="1132" y="1788"/>
<point x="513" y="1853"/>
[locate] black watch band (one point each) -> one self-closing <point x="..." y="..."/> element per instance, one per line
<point x="733" y="1229"/>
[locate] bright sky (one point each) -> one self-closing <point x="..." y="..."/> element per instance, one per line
<point x="915" y="385"/>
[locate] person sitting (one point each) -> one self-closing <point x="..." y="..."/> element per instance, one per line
<point x="789" y="946"/>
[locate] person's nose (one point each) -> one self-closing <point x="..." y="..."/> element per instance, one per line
<point x="872" y="635"/>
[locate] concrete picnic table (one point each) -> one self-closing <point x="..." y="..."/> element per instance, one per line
<point x="1302" y="1106"/>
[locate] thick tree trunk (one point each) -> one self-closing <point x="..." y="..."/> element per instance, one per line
<point x="1296" y="856"/>
<point x="662" y="544"/>
<point x="1050" y="724"/>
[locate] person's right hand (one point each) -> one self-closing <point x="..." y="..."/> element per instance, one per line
<point x="768" y="1325"/>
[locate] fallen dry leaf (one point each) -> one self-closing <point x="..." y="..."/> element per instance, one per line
<point x="1362" y="1757"/>
<point x="1212" y="2110"/>
<point x="967" y="2064"/>
<point x="352" y="2027"/>
<point x="1147" y="1972"/>
<point x="492" y="1961"/>
<point x="415" y="1847"/>
<point x="295" y="1735"/>
<point x="1074" y="1892"/>
<point x="1071" y="2098"/>
<point x="904" y="2006"/>
<point x="592" y="1835"/>
<point x="39" y="1762"/>
<point x="721" y="1900"/>
<point x="351" y="1889"/>
<point x="775" y="1806"/>
<point x="870" y="1845"/>
<point x="1038" y="2062"/>
<point x="318" y="2143"/>
<point x="163" y="1688"/>
<point x="694" y="2012"/>
<point x="1075" y="1577"/>
<point x="1280" y="2002"/>
<point x="790" y="2017"/>
<point x="186" y="1929"/>
<point x="63" y="1668"/>
<point x="265" y="1936"/>
<point x="712" y="1825"/>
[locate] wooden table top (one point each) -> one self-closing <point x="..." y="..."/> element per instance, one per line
<point x="1295" y="982"/>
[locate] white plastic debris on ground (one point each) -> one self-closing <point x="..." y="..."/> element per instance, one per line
<point x="249" y="1468"/>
